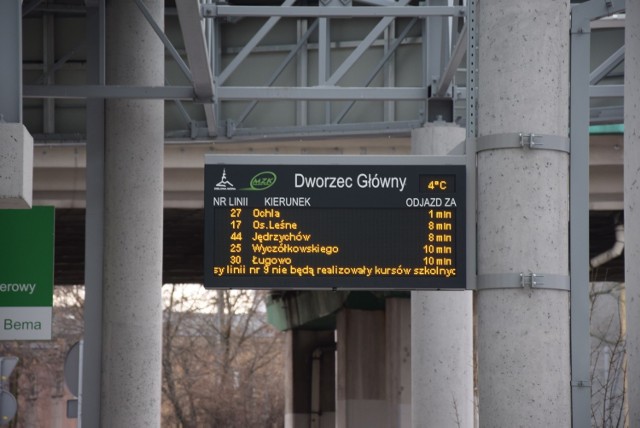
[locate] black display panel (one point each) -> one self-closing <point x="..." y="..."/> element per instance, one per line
<point x="333" y="226"/>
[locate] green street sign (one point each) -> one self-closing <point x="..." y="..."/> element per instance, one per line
<point x="26" y="273"/>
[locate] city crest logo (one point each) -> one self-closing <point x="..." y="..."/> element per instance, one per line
<point x="224" y="184"/>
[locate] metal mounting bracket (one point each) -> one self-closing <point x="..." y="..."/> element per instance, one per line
<point x="230" y="128"/>
<point x="530" y="280"/>
<point x="531" y="138"/>
<point x="523" y="140"/>
<point x="523" y="280"/>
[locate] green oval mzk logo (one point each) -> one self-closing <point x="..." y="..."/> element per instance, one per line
<point x="262" y="181"/>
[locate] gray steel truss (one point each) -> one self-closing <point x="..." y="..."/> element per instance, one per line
<point x="286" y="10"/>
<point x="606" y="67"/>
<point x="349" y="75"/>
<point x="198" y="59"/>
<point x="324" y="72"/>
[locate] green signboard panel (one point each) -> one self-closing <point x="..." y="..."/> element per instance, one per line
<point x="26" y="273"/>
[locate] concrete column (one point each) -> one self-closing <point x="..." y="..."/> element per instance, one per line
<point x="632" y="204"/>
<point x="441" y="327"/>
<point x="523" y="215"/>
<point x="361" y="400"/>
<point x="398" y="322"/>
<point x="309" y="379"/>
<point x="134" y="141"/>
<point x="16" y="144"/>
<point x="16" y="166"/>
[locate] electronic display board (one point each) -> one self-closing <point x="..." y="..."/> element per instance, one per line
<point x="334" y="222"/>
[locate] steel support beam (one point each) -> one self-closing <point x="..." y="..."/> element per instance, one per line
<point x="579" y="230"/>
<point x="631" y="162"/>
<point x="471" y="90"/>
<point x="48" y="58"/>
<point x="165" y="40"/>
<point x="215" y="57"/>
<point x="322" y="131"/>
<point x="89" y="400"/>
<point x="581" y="17"/>
<point x="292" y="54"/>
<point x="302" y="78"/>
<point x="378" y="2"/>
<point x="328" y="93"/>
<point x="324" y="60"/>
<point x="434" y="46"/>
<point x="389" y="72"/>
<point x="182" y="110"/>
<point x="607" y="66"/>
<point x="612" y="114"/>
<point x="109" y="92"/>
<point x="11" y="61"/>
<point x="606" y="91"/>
<point x="226" y="92"/>
<point x="49" y="71"/>
<point x="288" y="11"/>
<point x="362" y="47"/>
<point x="450" y="69"/>
<point x="194" y="42"/>
<point x="255" y="40"/>
<point x="374" y="71"/>
<point x="29" y="6"/>
<point x="583" y="13"/>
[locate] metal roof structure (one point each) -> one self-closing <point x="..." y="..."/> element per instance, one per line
<point x="327" y="76"/>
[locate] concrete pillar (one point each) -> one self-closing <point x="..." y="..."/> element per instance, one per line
<point x="398" y="334"/>
<point x="16" y="144"/>
<point x="309" y="379"/>
<point x="441" y="327"/>
<point x="134" y="142"/>
<point x="361" y="400"/>
<point x="632" y="204"/>
<point x="16" y="166"/>
<point x="523" y="215"/>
